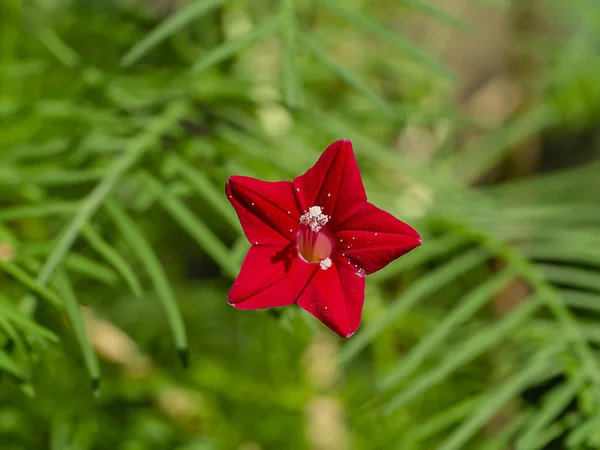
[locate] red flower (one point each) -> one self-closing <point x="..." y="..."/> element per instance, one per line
<point x="314" y="240"/>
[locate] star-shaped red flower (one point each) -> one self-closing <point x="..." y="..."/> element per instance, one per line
<point x="314" y="240"/>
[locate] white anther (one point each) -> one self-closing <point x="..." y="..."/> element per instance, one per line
<point x="325" y="263"/>
<point x="314" y="218"/>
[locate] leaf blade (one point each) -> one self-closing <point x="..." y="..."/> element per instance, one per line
<point x="426" y="285"/>
<point x="351" y="78"/>
<point x="389" y="36"/>
<point x="175" y="23"/>
<point x="229" y="48"/>
<point x="114" y="258"/>
<point x="468" y="306"/>
<point x="148" y="258"/>
<point x="194" y="226"/>
<point x="77" y="321"/>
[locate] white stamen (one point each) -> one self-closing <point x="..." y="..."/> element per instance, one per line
<point x="325" y="263"/>
<point x="314" y="218"/>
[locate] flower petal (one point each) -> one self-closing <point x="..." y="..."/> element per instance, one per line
<point x="270" y="277"/>
<point x="333" y="183"/>
<point x="371" y="238"/>
<point x="335" y="296"/>
<point x="267" y="210"/>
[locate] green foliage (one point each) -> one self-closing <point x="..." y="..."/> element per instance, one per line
<point x="119" y="124"/>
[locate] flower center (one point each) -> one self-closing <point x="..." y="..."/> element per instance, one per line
<point x="315" y="243"/>
<point x="314" y="218"/>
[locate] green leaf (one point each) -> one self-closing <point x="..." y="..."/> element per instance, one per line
<point x="435" y="248"/>
<point x="476" y="159"/>
<point x="76" y="319"/>
<point x="13" y="337"/>
<point x="112" y="256"/>
<point x="352" y="79"/>
<point x="192" y="11"/>
<point x="583" y="433"/>
<point x="31" y="283"/>
<point x="143" y="250"/>
<point x="239" y="250"/>
<point x="46" y="150"/>
<point x="385" y="156"/>
<point x="554" y="404"/>
<point x="549" y="295"/>
<point x="571" y="276"/>
<point x="255" y="148"/>
<point x="505" y="437"/>
<point x="441" y="421"/>
<point x="500" y="5"/>
<point x="9" y="366"/>
<point x="37" y="211"/>
<point x="205" y="238"/>
<point x="288" y="29"/>
<point x="468" y="351"/>
<point x="90" y="205"/>
<point x="555" y="250"/>
<point x="10" y="312"/>
<point x="423" y="287"/>
<point x="57" y="46"/>
<point x="75" y="262"/>
<point x="434" y="11"/>
<point x="388" y="36"/>
<point x="229" y="48"/>
<point x="583" y="300"/>
<point x="52" y="177"/>
<point x="91" y="269"/>
<point x="509" y="389"/>
<point x="213" y="196"/>
<point x="467" y="307"/>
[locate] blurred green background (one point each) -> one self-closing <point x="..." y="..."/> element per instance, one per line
<point x="474" y="121"/>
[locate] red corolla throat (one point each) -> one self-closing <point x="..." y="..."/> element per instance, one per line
<point x="315" y="242"/>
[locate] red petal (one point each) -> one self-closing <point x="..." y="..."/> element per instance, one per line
<point x="333" y="183"/>
<point x="270" y="277"/>
<point x="335" y="296"/>
<point x="267" y="210"/>
<point x="372" y="238"/>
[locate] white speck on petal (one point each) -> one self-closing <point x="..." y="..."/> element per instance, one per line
<point x="298" y="189"/>
<point x="314" y="218"/>
<point x="256" y="243"/>
<point x="329" y="194"/>
<point x="361" y="273"/>
<point x="325" y="263"/>
<point x="291" y="231"/>
<point x="352" y="237"/>
<point x="252" y="203"/>
<point x="375" y="234"/>
<point x="289" y="212"/>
